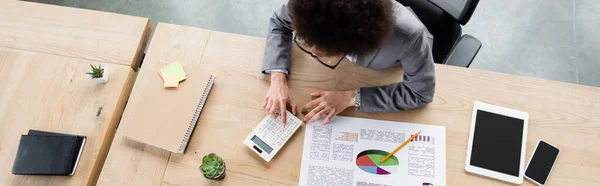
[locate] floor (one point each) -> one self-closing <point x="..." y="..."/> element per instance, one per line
<point x="548" y="39"/>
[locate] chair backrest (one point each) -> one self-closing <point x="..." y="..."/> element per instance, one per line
<point x="461" y="10"/>
<point x="443" y="18"/>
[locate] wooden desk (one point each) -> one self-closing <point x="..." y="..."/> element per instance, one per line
<point x="132" y="163"/>
<point x="566" y="115"/>
<point x="45" y="51"/>
<point x="85" y="34"/>
<point x="53" y="93"/>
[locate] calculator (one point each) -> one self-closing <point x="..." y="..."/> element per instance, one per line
<point x="270" y="135"/>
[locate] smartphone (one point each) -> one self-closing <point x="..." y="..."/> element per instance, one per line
<point x="541" y="163"/>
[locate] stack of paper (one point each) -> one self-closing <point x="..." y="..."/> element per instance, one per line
<point x="172" y="74"/>
<point x="348" y="151"/>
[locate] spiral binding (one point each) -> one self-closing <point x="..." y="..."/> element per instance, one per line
<point x="192" y="125"/>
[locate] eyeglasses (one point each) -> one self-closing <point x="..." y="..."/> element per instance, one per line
<point x="328" y="64"/>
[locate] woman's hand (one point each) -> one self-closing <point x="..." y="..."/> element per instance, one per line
<point x="327" y="103"/>
<point x="278" y="97"/>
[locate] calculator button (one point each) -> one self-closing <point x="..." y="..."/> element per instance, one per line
<point x="274" y="133"/>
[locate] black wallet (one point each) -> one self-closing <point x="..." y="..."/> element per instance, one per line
<point x="48" y="153"/>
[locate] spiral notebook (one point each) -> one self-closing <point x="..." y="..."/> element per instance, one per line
<point x="165" y="118"/>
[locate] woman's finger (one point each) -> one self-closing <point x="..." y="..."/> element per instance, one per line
<point x="312" y="113"/>
<point x="273" y="109"/>
<point x="317" y="94"/>
<point x="282" y="112"/>
<point x="293" y="105"/>
<point x="268" y="105"/>
<point x="329" y="117"/>
<point x="318" y="115"/>
<point x="265" y="102"/>
<point x="310" y="105"/>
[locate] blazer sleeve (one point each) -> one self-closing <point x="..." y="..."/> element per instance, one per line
<point x="418" y="86"/>
<point x="279" y="39"/>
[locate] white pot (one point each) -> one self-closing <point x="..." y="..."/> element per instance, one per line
<point x="104" y="77"/>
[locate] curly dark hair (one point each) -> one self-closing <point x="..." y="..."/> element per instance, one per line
<point x="337" y="27"/>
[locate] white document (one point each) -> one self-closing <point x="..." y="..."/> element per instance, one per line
<point x="348" y="151"/>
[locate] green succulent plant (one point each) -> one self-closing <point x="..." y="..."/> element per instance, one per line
<point x="213" y="166"/>
<point x="97" y="72"/>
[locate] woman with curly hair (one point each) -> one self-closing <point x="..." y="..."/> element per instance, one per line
<point x="376" y="34"/>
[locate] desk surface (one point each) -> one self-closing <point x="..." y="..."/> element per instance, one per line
<point x="86" y="34"/>
<point x="45" y="51"/>
<point x="53" y="93"/>
<point x="563" y="114"/>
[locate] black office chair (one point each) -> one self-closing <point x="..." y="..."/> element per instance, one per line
<point x="443" y="18"/>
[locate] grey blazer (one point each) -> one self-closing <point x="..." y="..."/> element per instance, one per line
<point x="410" y="46"/>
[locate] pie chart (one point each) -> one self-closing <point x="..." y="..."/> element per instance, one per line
<point x="370" y="162"/>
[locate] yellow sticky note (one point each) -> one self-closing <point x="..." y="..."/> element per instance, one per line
<point x="174" y="68"/>
<point x="171" y="80"/>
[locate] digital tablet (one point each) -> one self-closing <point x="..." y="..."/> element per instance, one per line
<point x="497" y="142"/>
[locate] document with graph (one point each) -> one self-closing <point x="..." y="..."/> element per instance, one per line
<point x="348" y="151"/>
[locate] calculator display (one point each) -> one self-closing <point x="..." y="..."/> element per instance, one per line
<point x="262" y="144"/>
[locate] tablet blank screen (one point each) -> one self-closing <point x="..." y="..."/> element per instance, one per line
<point x="497" y="143"/>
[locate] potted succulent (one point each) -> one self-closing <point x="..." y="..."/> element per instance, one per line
<point x="98" y="74"/>
<point x="213" y="167"/>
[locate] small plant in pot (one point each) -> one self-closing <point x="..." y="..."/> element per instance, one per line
<point x="98" y="74"/>
<point x="213" y="167"/>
